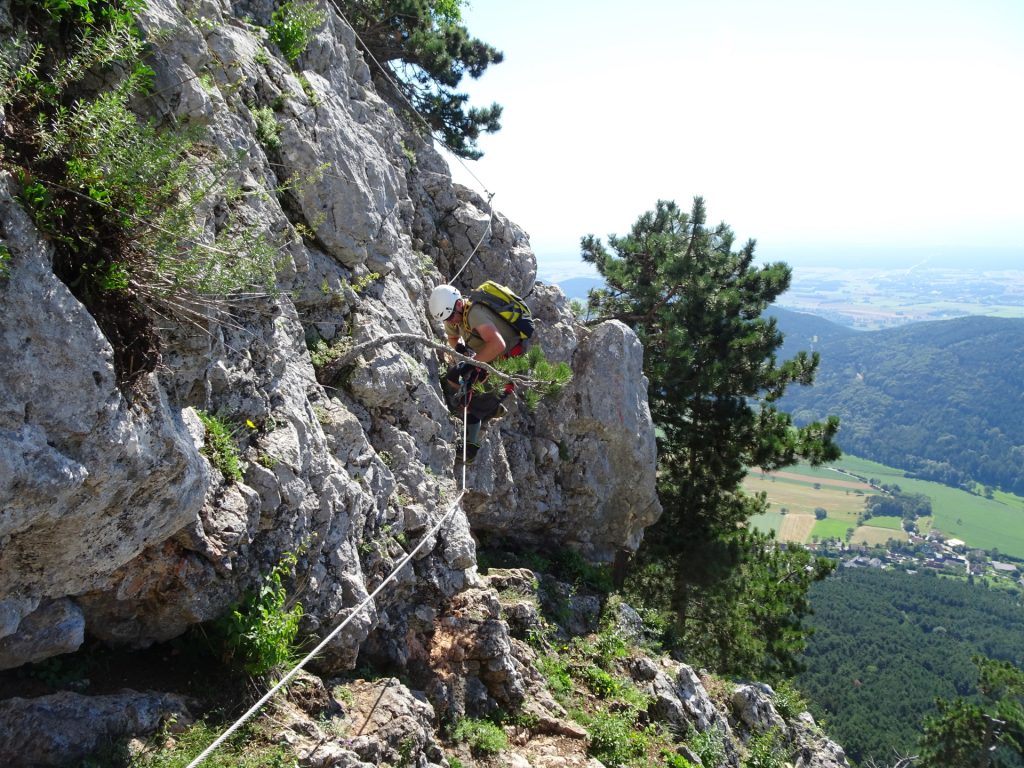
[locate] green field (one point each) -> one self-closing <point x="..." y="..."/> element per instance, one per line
<point x="892" y="523"/>
<point x="991" y="524"/>
<point x="769" y="521"/>
<point x="832" y="529"/>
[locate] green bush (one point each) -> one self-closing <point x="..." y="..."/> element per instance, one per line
<point x="260" y="634"/>
<point x="570" y="565"/>
<point x="123" y="199"/>
<point x="788" y="700"/>
<point x="674" y="760"/>
<point x="89" y="11"/>
<point x="267" y="129"/>
<point x="219" y="447"/>
<point x="708" y="745"/>
<point x="599" y="682"/>
<point x="292" y="26"/>
<point x="765" y="750"/>
<point x="557" y="673"/>
<point x="482" y="736"/>
<point x="615" y="737"/>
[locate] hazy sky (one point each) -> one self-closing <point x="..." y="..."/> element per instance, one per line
<point x="819" y="127"/>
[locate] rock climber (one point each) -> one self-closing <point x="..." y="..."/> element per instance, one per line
<point x="478" y="330"/>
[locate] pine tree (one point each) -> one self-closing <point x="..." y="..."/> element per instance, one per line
<point x="697" y="306"/>
<point x="989" y="734"/>
<point x="428" y="50"/>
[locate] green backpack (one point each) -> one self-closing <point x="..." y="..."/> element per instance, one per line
<point x="507" y="304"/>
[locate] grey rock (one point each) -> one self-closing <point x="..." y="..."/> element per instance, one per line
<point x="64" y="727"/>
<point x="681" y="700"/>
<point x="393" y="723"/>
<point x="87" y="479"/>
<point x="578" y="614"/>
<point x="753" y="706"/>
<point x="580" y="471"/>
<point x="813" y="748"/>
<point x="53" y="628"/>
<point x="475" y="671"/>
<point x="109" y="502"/>
<point x="629" y="625"/>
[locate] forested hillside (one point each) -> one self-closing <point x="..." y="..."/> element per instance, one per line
<point x="943" y="400"/>
<point x="887" y="643"/>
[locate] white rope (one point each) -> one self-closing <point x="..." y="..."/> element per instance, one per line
<point x="334" y="633"/>
<point x="465" y="437"/>
<point x="486" y="234"/>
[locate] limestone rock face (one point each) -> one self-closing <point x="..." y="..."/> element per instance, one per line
<point x="756" y="713"/>
<point x="65" y="727"/>
<point x="680" y="698"/>
<point x="558" y="474"/>
<point x="88" y="479"/>
<point x="57" y="626"/>
<point x="114" y="524"/>
<point x="813" y="748"/>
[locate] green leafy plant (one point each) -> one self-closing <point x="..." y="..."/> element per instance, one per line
<point x="322" y="354"/>
<point x="89" y="11"/>
<point x="708" y="745"/>
<point x="220" y="448"/>
<point x="123" y="199"/>
<point x="261" y="632"/>
<point x="45" y="212"/>
<point x="570" y="565"/>
<point x="408" y="153"/>
<point x="765" y="750"/>
<point x="788" y="700"/>
<point x="482" y="736"/>
<point x="600" y="682"/>
<point x="261" y="57"/>
<point x="360" y="284"/>
<point x="671" y="759"/>
<point x="292" y="26"/>
<point x="307" y="88"/>
<point x="614" y="736"/>
<point x="268" y="132"/>
<point x="5" y="262"/>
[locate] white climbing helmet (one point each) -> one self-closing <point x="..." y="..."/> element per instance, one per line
<point x="442" y="301"/>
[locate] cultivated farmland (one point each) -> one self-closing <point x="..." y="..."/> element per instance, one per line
<point x="796" y="527"/>
<point x="991" y="524"/>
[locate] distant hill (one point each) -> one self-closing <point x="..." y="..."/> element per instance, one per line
<point x="807" y="332"/>
<point x="579" y="287"/>
<point x="942" y="400"/>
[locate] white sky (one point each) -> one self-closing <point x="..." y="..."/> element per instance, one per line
<point x="811" y="125"/>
